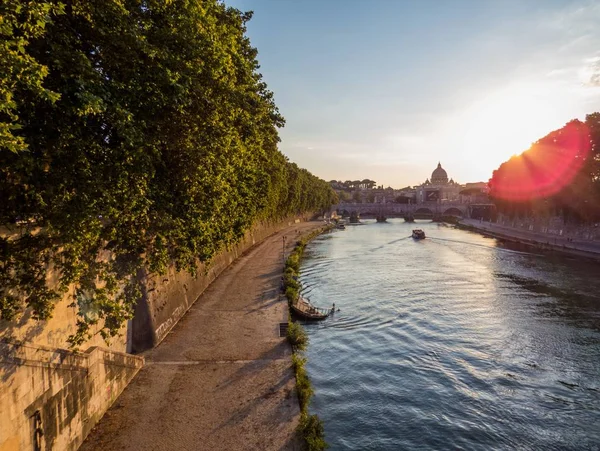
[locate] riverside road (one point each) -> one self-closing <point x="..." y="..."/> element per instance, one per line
<point x="222" y="378"/>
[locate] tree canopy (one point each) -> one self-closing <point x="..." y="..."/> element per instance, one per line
<point x="134" y="135"/>
<point x="558" y="174"/>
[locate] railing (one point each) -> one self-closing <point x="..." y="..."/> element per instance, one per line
<point x="23" y="354"/>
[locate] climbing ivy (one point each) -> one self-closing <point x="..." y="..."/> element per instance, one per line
<point x="134" y="135"/>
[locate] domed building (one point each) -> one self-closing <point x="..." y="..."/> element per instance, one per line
<point x="439" y="176"/>
<point x="439" y="189"/>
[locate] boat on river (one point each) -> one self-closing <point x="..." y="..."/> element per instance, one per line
<point x="418" y="234"/>
<point x="305" y="310"/>
<point x="354" y="218"/>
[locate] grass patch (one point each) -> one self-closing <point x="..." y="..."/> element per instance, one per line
<point x="297" y="337"/>
<point x="310" y="427"/>
<point x="303" y="385"/>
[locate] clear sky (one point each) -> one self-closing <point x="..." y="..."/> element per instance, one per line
<point x="384" y="89"/>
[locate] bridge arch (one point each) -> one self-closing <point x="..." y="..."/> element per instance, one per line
<point x="423" y="212"/>
<point x="453" y="211"/>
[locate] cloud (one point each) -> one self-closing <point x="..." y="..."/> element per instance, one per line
<point x="594" y="73"/>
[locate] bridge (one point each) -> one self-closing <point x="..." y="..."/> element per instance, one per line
<point x="426" y="210"/>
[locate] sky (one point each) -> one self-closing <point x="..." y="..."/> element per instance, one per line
<point x="384" y="89"/>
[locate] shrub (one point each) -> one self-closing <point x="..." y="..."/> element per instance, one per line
<point x="292" y="294"/>
<point x="311" y="429"/>
<point x="297" y="337"/>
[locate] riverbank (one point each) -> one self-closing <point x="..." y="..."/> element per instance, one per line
<point x="579" y="248"/>
<point x="223" y="377"/>
<point x="311" y="428"/>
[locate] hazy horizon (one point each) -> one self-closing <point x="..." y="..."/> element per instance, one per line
<point x="384" y="90"/>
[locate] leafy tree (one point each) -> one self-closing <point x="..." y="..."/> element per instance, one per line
<point x="20" y="73"/>
<point x="136" y="135"/>
<point x="559" y="174"/>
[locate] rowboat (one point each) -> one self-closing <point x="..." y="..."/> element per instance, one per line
<point x="304" y="309"/>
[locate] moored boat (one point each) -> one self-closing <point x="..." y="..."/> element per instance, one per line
<point x="305" y="310"/>
<point x="418" y="234"/>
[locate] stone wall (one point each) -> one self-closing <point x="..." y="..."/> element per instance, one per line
<point x="61" y="393"/>
<point x="167" y="298"/>
<point x="51" y="398"/>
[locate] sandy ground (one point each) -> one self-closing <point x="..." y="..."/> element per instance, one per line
<point x="222" y="378"/>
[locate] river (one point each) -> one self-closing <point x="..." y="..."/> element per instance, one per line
<point x="452" y="342"/>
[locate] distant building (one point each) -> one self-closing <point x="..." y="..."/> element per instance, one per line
<point x="439" y="189"/>
<point x="474" y="193"/>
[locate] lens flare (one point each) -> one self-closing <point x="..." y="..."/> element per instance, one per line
<point x="546" y="168"/>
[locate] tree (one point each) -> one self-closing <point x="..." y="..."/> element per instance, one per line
<point x="151" y="140"/>
<point x="558" y="173"/>
<point x="21" y="75"/>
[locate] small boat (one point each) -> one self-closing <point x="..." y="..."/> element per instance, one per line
<point x="340" y="226"/>
<point x="304" y="309"/>
<point x="418" y="234"/>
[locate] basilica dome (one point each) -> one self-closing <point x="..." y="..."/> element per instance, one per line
<point x="439" y="176"/>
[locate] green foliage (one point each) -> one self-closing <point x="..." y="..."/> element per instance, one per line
<point x="303" y="386"/>
<point x="311" y="428"/>
<point x="21" y="75"/>
<point x="133" y="136"/>
<point x="575" y="196"/>
<point x="293" y="261"/>
<point x="297" y="337"/>
<point x="292" y="293"/>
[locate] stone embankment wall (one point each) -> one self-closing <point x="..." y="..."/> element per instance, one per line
<point x="167" y="298"/>
<point x="553" y="226"/>
<point x="51" y="397"/>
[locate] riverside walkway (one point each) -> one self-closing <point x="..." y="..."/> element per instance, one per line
<point x="222" y="378"/>
<point x="563" y="243"/>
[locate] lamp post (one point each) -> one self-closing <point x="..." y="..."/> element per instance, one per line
<point x="283" y="253"/>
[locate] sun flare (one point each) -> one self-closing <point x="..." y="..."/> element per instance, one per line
<point x="506" y="123"/>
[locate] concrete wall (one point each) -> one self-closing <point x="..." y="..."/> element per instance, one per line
<point x="50" y="398"/>
<point x="167" y="298"/>
<point x="60" y="392"/>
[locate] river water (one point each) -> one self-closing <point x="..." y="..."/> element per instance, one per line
<point x="452" y="342"/>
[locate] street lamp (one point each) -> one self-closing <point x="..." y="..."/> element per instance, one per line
<point x="283" y="253"/>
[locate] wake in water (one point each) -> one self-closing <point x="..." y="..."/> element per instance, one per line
<point x="501" y="249"/>
<point x="391" y="242"/>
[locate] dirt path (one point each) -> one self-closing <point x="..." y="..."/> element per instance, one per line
<point x="222" y="378"/>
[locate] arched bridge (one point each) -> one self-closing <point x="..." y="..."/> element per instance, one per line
<point x="400" y="210"/>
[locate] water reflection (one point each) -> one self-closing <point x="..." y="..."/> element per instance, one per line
<point x="456" y="341"/>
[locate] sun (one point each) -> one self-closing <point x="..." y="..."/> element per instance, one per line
<point x="506" y="123"/>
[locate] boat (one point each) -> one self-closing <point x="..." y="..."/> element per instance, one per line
<point x="340" y="226"/>
<point x="305" y="310"/>
<point x="418" y="234"/>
